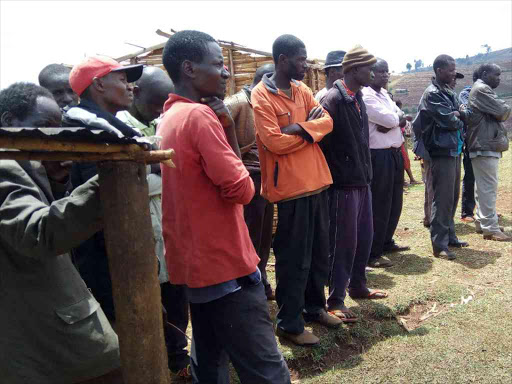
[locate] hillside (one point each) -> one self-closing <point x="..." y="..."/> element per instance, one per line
<point x="415" y="82"/>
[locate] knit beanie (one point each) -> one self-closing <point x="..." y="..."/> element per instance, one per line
<point x="357" y="57"/>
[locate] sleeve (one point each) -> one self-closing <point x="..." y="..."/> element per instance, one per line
<point x="442" y="112"/>
<point x="320" y="127"/>
<point x="268" y="130"/>
<point x="380" y="114"/>
<point x="218" y="160"/>
<point x="234" y="106"/>
<point x="38" y="230"/>
<point x="486" y="101"/>
<point x="464" y="96"/>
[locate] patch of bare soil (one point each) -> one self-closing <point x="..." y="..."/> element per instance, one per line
<point x="419" y="313"/>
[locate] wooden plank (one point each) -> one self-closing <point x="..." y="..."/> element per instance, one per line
<point x="232" y="78"/>
<point x="36" y="144"/>
<point x="147" y="157"/>
<point x="133" y="268"/>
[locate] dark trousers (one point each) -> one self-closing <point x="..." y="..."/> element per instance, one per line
<point x="468" y="187"/>
<point x="236" y="327"/>
<point x="387" y="197"/>
<point x="301" y="246"/>
<point x="429" y="192"/>
<point x="175" y="302"/>
<point x="350" y="233"/>
<point x="446" y="186"/>
<point x="259" y="215"/>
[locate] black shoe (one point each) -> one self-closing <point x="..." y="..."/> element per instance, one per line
<point x="459" y="244"/>
<point x="396" y="248"/>
<point x="445" y="254"/>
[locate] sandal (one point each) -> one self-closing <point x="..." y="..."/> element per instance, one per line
<point x="184" y="373"/>
<point x="345" y="315"/>
<point x="371" y="294"/>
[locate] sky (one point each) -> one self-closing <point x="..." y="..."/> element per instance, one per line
<point x="36" y="33"/>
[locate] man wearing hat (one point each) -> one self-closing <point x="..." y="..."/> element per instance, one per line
<point x="333" y="71"/>
<point x="104" y="87"/>
<point x="347" y="153"/>
<point x="458" y="75"/>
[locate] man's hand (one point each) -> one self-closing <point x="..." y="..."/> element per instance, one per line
<point x="456" y="114"/>
<point x="296" y="129"/>
<point x="58" y="170"/>
<point x="315" y="113"/>
<point x="382" y="129"/>
<point x="220" y="109"/>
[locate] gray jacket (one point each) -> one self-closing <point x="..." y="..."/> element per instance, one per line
<point x="485" y="127"/>
<point x="52" y="329"/>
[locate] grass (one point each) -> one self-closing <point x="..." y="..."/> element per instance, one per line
<point x="462" y="343"/>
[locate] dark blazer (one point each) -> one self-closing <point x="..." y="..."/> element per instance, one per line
<point x="53" y="330"/>
<point x="441" y="129"/>
<point x="346" y="148"/>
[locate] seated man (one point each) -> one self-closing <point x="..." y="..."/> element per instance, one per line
<point x="53" y="330"/>
<point x="207" y="243"/>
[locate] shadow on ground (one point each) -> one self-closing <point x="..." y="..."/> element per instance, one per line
<point x="474" y="258"/>
<point x="409" y="264"/>
<point x="346" y="344"/>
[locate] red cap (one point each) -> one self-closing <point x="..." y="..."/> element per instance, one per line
<point x="83" y="74"/>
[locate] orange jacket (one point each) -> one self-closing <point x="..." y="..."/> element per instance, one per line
<point x="290" y="165"/>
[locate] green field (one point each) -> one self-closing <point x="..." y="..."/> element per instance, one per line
<point x="444" y="321"/>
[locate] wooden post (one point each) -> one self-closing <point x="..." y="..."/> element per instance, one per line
<point x="133" y="269"/>
<point x="232" y="87"/>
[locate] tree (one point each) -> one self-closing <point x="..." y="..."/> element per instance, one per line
<point x="408" y="66"/>
<point x="418" y="64"/>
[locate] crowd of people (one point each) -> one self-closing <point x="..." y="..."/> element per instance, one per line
<point x="332" y="163"/>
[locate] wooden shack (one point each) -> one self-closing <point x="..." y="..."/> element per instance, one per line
<point x="241" y="61"/>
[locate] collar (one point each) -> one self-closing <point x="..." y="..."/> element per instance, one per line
<point x="92" y="107"/>
<point x="347" y="89"/>
<point x="271" y="85"/>
<point x="173" y="98"/>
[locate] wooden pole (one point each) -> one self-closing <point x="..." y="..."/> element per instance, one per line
<point x="133" y="269"/>
<point x="232" y="88"/>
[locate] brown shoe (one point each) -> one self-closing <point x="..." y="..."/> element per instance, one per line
<point x="497" y="236"/>
<point x="306" y="338"/>
<point x="445" y="254"/>
<point x="328" y="320"/>
<point x="479" y="230"/>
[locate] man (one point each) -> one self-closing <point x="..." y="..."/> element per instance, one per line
<point x="385" y="120"/>
<point x="289" y="124"/>
<point x="207" y="243"/>
<point x="486" y="140"/>
<point x="453" y="83"/>
<point x="149" y="95"/>
<point x="104" y="87"/>
<point x="350" y="202"/>
<point x="53" y="330"/>
<point x="259" y="213"/>
<point x="55" y="78"/>
<point x="441" y="123"/>
<point x="333" y="71"/>
<point x="468" y="181"/>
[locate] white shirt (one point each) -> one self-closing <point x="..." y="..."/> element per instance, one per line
<point x="382" y="111"/>
<point x="320" y="94"/>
